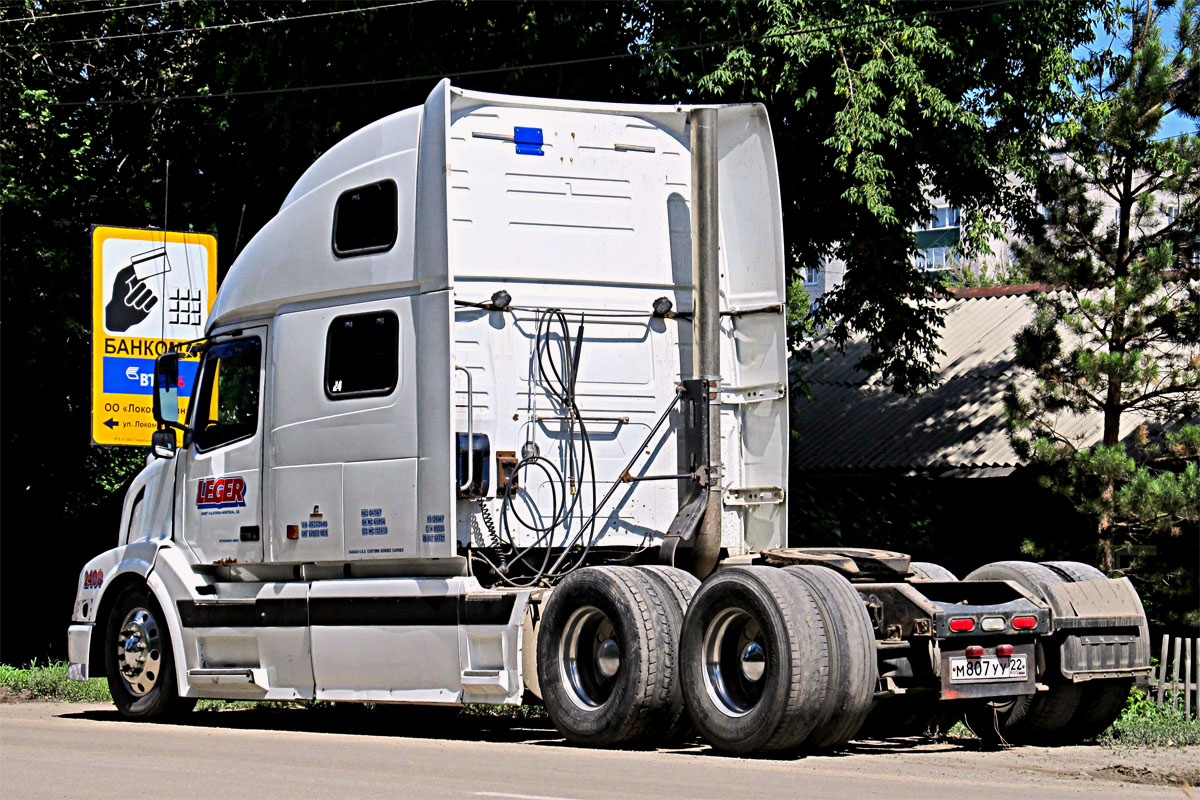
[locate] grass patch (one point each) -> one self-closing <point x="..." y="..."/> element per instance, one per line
<point x="513" y="712"/>
<point x="959" y="730"/>
<point x="49" y="682"/>
<point x="1144" y="724"/>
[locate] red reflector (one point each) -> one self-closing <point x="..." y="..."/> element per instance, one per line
<point x="961" y="624"/>
<point x="975" y="651"/>
<point x="293" y="532"/>
<point x="1024" y="623"/>
<point x="1004" y="650"/>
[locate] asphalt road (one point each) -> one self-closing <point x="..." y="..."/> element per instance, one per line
<point x="87" y="751"/>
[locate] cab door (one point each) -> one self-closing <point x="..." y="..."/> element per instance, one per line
<point x="218" y="507"/>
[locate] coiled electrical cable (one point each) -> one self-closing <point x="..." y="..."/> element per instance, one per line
<point x="493" y="536"/>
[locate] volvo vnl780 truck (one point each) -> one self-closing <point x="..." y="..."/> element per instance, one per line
<point x="477" y="412"/>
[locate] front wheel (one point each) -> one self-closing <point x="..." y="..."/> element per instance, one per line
<point x="139" y="660"/>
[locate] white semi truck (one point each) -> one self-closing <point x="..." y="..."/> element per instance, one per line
<point x="501" y="382"/>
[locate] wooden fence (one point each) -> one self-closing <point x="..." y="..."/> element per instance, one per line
<point x="1180" y="659"/>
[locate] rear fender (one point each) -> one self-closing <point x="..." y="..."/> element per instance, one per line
<point x="1106" y="633"/>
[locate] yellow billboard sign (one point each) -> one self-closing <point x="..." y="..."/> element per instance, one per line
<point x="151" y="291"/>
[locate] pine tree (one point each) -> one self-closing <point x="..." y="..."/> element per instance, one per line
<point x="1117" y="333"/>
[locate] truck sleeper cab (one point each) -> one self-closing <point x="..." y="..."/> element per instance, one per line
<point x="502" y="381"/>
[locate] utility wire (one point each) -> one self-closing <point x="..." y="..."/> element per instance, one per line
<point x="247" y="24"/>
<point x="109" y="9"/>
<point x="1171" y="136"/>
<point x="540" y="65"/>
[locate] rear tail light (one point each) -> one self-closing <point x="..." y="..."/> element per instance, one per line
<point x="964" y="624"/>
<point x="1004" y="650"/>
<point x="975" y="651"/>
<point x="1024" y="623"/>
<point x="993" y="624"/>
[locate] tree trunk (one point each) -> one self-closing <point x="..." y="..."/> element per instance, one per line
<point x="1116" y="338"/>
<point x="1105" y="531"/>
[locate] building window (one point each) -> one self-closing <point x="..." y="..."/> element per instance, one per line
<point x="935" y="258"/>
<point x="227" y="402"/>
<point x="944" y="218"/>
<point x="940" y="219"/>
<point x="362" y="355"/>
<point x="811" y="275"/>
<point x="364" y="220"/>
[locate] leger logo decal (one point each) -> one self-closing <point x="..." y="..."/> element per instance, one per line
<point x="221" y="493"/>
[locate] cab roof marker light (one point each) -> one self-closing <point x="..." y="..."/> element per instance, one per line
<point x="964" y="624"/>
<point x="993" y="624"/>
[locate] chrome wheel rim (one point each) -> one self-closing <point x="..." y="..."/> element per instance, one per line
<point x="735" y="662"/>
<point x="589" y="657"/>
<point x="139" y="651"/>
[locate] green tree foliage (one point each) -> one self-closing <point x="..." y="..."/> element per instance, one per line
<point x="87" y="128"/>
<point x="875" y="107"/>
<point x="1119" y="337"/>
<point x="871" y="104"/>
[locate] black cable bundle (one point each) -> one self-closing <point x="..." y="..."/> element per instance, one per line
<point x="558" y="379"/>
<point x="560" y="385"/>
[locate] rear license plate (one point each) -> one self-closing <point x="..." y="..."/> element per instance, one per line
<point x="987" y="669"/>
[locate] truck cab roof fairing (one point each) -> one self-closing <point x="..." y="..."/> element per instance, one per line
<point x="290" y="261"/>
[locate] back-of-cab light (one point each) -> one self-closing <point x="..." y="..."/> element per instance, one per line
<point x="1024" y="623"/>
<point x="964" y="624"/>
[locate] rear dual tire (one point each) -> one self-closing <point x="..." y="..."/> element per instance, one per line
<point x="766" y="659"/>
<point x="853" y="669"/>
<point x="777" y="659"/>
<point x="755" y="662"/>
<point x="1068" y="713"/>
<point x="607" y="657"/>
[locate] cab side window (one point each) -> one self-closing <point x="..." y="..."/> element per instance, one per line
<point x="227" y="402"/>
<point x="364" y="220"/>
<point x="362" y="355"/>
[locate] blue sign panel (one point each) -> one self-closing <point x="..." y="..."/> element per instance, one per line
<point x="136" y="375"/>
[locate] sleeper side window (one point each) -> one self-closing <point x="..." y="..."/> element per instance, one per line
<point x="364" y="220"/>
<point x="226" y="403"/>
<point x="362" y="355"/>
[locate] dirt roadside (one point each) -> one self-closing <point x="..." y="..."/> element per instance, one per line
<point x="913" y="759"/>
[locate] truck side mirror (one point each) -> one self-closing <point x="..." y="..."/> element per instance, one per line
<point x="166" y="389"/>
<point x="162" y="442"/>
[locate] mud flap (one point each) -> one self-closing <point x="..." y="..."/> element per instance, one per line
<point x="1104" y="622"/>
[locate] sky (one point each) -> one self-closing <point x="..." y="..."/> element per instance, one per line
<point x="1174" y="124"/>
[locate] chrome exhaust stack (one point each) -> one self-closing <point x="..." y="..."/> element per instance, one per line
<point x="706" y="325"/>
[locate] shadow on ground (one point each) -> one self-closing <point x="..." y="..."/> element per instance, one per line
<point x="423" y="722"/>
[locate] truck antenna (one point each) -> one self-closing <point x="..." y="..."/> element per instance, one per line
<point x="238" y="239"/>
<point x="166" y="197"/>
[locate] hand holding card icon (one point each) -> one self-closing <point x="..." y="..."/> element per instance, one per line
<point x="131" y="301"/>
